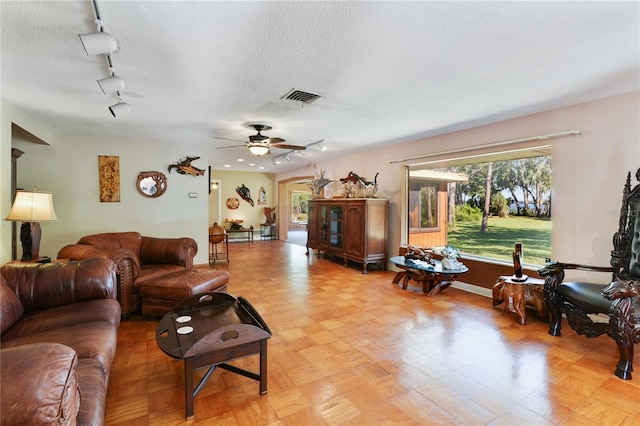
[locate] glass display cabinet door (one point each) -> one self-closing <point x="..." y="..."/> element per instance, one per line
<point x="335" y="226"/>
<point x="324" y="225"/>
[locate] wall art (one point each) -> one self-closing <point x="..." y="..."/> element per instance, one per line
<point x="185" y="168"/>
<point x="109" y="178"/>
<point x="262" y="196"/>
<point x="245" y="194"/>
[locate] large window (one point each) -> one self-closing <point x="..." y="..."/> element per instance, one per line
<point x="490" y="202"/>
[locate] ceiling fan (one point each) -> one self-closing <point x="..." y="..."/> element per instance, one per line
<point x="260" y="144"/>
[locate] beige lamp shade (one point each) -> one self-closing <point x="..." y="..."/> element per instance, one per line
<point x="32" y="207"/>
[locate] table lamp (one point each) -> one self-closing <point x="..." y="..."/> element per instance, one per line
<point x="31" y="208"/>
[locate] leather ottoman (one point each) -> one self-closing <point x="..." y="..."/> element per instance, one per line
<point x="161" y="294"/>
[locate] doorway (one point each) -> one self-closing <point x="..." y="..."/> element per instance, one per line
<point x="293" y="225"/>
<point x="215" y="201"/>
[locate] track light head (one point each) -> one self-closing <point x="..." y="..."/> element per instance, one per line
<point x="119" y="109"/>
<point x="287" y="157"/>
<point x="98" y="43"/>
<point x="112" y="84"/>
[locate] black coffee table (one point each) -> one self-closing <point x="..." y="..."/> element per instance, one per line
<point x="209" y="330"/>
<point x="434" y="278"/>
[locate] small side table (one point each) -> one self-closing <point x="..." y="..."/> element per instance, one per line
<point x="517" y="294"/>
<point x="268" y="231"/>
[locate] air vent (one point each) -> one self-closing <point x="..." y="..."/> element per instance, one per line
<point x="301" y="96"/>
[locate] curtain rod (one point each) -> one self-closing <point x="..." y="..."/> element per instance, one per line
<point x="490" y="145"/>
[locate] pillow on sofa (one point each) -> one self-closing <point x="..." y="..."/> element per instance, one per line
<point x="40" y="385"/>
<point x="11" y="308"/>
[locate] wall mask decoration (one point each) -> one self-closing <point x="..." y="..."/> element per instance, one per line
<point x="151" y="184"/>
<point x="185" y="168"/>
<point x="233" y="203"/>
<point x="262" y="196"/>
<point x="245" y="194"/>
<point x="109" y="177"/>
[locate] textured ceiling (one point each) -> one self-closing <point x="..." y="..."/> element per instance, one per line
<point x="387" y="72"/>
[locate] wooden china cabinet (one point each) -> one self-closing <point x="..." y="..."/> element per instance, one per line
<point x="355" y="229"/>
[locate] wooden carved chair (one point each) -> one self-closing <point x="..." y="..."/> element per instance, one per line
<point x="618" y="299"/>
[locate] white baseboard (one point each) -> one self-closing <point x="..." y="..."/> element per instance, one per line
<point x="486" y="292"/>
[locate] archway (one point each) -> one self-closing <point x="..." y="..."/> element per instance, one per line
<point x="284" y="203"/>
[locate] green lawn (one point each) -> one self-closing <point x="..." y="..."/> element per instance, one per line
<point x="498" y="242"/>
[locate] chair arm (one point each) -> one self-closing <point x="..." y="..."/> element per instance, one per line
<point x="39" y="385"/>
<point x="554" y="272"/>
<point x="42" y="286"/>
<point x="168" y="251"/>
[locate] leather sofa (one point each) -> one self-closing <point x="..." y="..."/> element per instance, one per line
<point x="138" y="259"/>
<point x="58" y="334"/>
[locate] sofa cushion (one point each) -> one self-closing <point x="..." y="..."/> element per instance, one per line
<point x="95" y="340"/>
<point x="64" y="316"/>
<point x="151" y="272"/>
<point x="11" y="308"/>
<point x="47" y="374"/>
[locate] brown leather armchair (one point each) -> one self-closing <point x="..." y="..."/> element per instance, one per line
<point x="58" y="325"/>
<point x="138" y="259"/>
<point x="617" y="299"/>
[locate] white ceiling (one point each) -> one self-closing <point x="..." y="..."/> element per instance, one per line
<point x="387" y="71"/>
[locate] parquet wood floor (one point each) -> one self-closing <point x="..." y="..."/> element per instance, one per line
<point x="354" y="349"/>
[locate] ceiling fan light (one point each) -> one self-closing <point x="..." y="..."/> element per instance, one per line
<point x="98" y="43"/>
<point x="258" y="149"/>
<point x="119" y="109"/>
<point x="111" y="84"/>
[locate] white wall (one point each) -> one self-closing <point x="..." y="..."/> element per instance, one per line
<point x="10" y="114"/>
<point x="588" y="170"/>
<point x="69" y="169"/>
<point x="252" y="216"/>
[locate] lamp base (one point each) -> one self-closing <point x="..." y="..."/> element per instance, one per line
<point x="30" y="236"/>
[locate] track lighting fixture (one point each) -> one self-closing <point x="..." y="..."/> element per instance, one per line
<point x="100" y="43"/>
<point x="119" y="109"/>
<point x="322" y="147"/>
<point x="287" y="157"/>
<point x="275" y="161"/>
<point x="302" y="153"/>
<point x="112" y="84"/>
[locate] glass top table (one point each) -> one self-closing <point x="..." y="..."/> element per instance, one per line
<point x="433" y="276"/>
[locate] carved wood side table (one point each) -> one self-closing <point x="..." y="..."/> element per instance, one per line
<point x="517" y="295"/>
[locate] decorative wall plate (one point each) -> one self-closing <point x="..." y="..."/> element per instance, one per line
<point x="233" y="203"/>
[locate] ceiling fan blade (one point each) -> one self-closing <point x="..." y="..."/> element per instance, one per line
<point x="274" y="141"/>
<point x="293" y="147"/>
<point x="231" y="146"/>
<point x="228" y="139"/>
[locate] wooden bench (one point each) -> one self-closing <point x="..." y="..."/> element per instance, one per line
<point x="247" y="231"/>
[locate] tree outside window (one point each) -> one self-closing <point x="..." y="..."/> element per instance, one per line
<point x="299" y="204"/>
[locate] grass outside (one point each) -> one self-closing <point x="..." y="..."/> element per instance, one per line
<point x="503" y="233"/>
